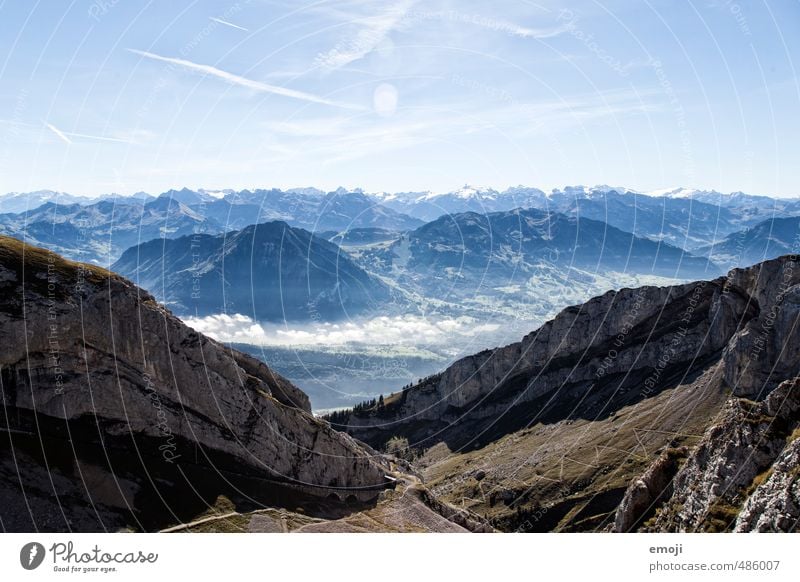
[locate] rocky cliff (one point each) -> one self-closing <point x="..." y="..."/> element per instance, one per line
<point x="588" y="419"/>
<point x="117" y="415"/>
<point x="594" y="358"/>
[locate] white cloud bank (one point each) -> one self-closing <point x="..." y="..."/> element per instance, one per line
<point x="403" y="330"/>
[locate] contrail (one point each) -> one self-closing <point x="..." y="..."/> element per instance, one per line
<point x="98" y="137"/>
<point x="59" y="133"/>
<point x="243" y="81"/>
<point x="67" y="135"/>
<point x="226" y="23"/>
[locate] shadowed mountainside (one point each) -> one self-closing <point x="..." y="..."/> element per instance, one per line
<point x="270" y="271"/>
<point x="559" y="425"/>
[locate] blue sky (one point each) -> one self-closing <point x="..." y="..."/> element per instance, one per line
<point x="124" y="96"/>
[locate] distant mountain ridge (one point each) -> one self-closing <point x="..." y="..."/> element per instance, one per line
<point x="430" y="206"/>
<point x="683" y="217"/>
<point x="270" y="271"/>
<point x="768" y="239"/>
<point x="423" y="204"/>
<point x="99" y="232"/>
<point x="467" y="250"/>
<point x="14" y="202"/>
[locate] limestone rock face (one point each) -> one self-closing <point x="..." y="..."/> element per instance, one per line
<point x="89" y="358"/>
<point x="611" y="351"/>
<point x="775" y="505"/>
<point x="643" y="493"/>
<point x="766" y="349"/>
<point x="742" y="475"/>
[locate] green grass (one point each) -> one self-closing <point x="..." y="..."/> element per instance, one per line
<point x="30" y="263"/>
<point x="757" y="481"/>
<point x="721" y="516"/>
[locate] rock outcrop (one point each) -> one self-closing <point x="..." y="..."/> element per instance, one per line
<point x="102" y="387"/>
<point x="742" y="475"/>
<point x="775" y="504"/>
<point x="646" y="491"/>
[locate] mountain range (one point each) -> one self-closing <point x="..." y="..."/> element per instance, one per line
<point x="683" y="217"/>
<point x="429" y="206"/>
<point x="99" y="231"/>
<point x="663" y="409"/>
<point x="767" y="239"/>
<point x="688" y="219"/>
<point x="466" y="263"/>
<point x="15" y="202"/>
<point x="469" y="245"/>
<point x="519" y="253"/>
<point x="519" y="263"/>
<point x="311" y="209"/>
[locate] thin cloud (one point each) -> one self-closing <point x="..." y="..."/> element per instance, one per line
<point x="226" y="23"/>
<point x="334" y="139"/>
<point x="539" y="33"/>
<point x="60" y="134"/>
<point x="376" y="30"/>
<point x="243" y="81"/>
<point x="493" y="24"/>
<point x="98" y="137"/>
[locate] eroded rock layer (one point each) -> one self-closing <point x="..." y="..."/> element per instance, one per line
<point x="117" y="415"/>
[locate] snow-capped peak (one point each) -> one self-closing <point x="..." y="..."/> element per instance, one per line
<point x="400" y="196"/>
<point x="674" y="192"/>
<point x="590" y="191"/>
<point x="605" y="189"/>
<point x="466" y="192"/>
<point x="218" y="194"/>
<point x="342" y="191"/>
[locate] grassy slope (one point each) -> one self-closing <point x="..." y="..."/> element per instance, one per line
<point x="571" y="475"/>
